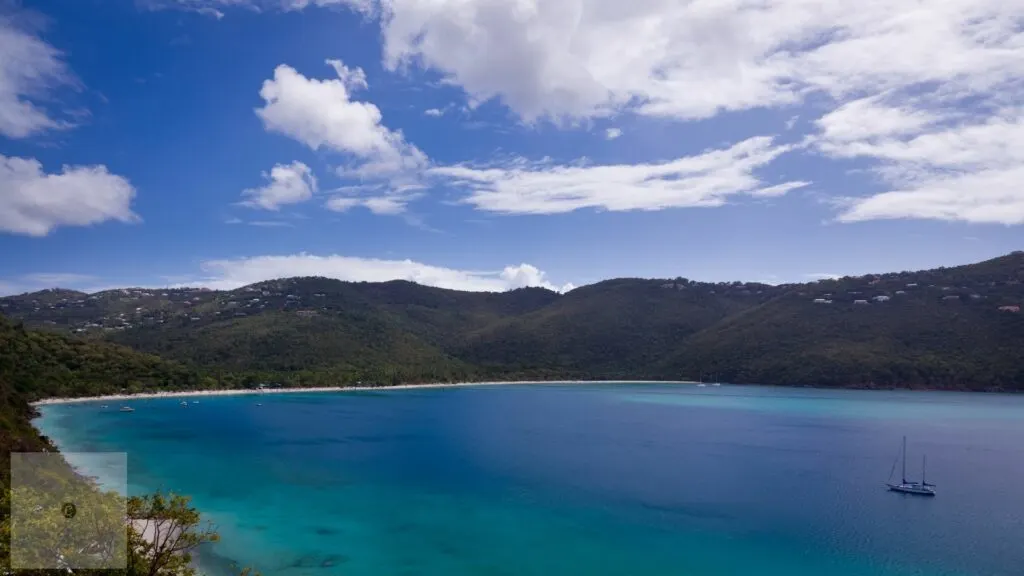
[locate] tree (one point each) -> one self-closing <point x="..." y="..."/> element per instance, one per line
<point x="163" y="532"/>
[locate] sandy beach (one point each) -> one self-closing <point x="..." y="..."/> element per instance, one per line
<point x="236" y="392"/>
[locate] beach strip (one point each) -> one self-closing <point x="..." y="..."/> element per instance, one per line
<point x="256" y="391"/>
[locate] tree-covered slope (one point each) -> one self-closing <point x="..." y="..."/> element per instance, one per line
<point x="613" y="329"/>
<point x="912" y="342"/>
<point x="948" y="327"/>
<point x="35" y="364"/>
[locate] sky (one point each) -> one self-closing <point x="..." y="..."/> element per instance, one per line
<point x="494" y="144"/>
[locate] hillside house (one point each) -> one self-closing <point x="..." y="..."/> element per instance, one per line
<point x="900" y="292"/>
<point x="1009" y="308"/>
<point x="822" y="301"/>
<point x="881" y="298"/>
<point x="860" y="302"/>
<point x="951" y="297"/>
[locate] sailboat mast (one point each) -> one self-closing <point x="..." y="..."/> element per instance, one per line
<point x="924" y="469"/>
<point x="904" y="459"/>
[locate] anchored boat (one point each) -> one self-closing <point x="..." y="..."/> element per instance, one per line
<point x="922" y="488"/>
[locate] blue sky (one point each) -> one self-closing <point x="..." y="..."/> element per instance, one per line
<point x="491" y="144"/>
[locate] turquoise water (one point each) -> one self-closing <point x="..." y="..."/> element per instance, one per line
<point x="610" y="479"/>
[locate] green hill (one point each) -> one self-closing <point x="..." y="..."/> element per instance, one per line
<point x="36" y="365"/>
<point x="935" y="328"/>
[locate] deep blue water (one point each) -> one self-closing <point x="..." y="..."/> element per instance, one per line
<point x="610" y="479"/>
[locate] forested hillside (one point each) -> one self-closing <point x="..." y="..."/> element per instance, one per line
<point x="950" y="327"/>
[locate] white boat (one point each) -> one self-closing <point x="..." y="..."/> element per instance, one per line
<point x="922" y="488"/>
<point x="127" y="409"/>
<point x="184" y="403"/>
<point x="702" y="385"/>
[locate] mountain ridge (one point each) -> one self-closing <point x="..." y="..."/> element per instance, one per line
<point x="950" y="327"/>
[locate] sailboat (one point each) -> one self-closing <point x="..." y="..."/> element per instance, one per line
<point x="922" y="488"/>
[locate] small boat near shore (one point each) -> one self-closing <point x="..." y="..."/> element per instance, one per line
<point x="127" y="409"/>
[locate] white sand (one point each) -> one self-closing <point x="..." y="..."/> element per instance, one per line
<point x="115" y="397"/>
<point x="148" y="529"/>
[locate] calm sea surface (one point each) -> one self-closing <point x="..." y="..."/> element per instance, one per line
<point x="610" y="479"/>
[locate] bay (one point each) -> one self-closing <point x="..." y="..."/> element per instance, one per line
<point x="596" y="479"/>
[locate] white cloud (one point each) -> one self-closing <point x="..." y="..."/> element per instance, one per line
<point x="612" y="133"/>
<point x="288" y="184"/>
<point x="380" y="205"/>
<point x="30" y="70"/>
<point x="695" y="59"/>
<point x="900" y="83"/>
<point x="231" y="274"/>
<point x="270" y="224"/>
<point x="692" y="59"/>
<point x="322" y="114"/>
<point x="215" y="8"/>
<point x="525" y="275"/>
<point x="919" y="89"/>
<point x="43" y="280"/>
<point x="539" y="188"/>
<point x="435" y="112"/>
<point x="33" y="202"/>
<point x="968" y="171"/>
<point x="57" y="279"/>
<point x="868" y="119"/>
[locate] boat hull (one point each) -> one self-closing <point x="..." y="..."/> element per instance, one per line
<point x="916" y="490"/>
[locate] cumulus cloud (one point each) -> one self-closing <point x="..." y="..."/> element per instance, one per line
<point x="287" y="184"/>
<point x="900" y="83"/>
<point x="322" y="115"/>
<point x="913" y="87"/>
<point x="33" y="202"/>
<point x="435" y="112"/>
<point x="817" y="276"/>
<point x="706" y="179"/>
<point x="44" y="280"/>
<point x="30" y="70"/>
<point x="695" y="59"/>
<point x="612" y="133"/>
<point x="231" y="274"/>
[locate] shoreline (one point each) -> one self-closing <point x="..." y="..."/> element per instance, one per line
<point x="322" y="389"/>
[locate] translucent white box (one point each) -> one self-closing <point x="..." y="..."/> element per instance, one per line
<point x="64" y="519"/>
